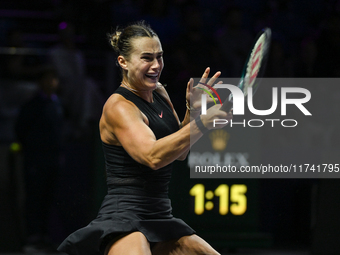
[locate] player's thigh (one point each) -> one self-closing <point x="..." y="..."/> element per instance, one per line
<point x="130" y="244"/>
<point x="186" y="245"/>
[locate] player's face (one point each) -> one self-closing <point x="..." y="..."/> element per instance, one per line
<point x="145" y="63"/>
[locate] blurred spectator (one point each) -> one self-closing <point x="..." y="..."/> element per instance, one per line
<point x="80" y="96"/>
<point x="18" y="72"/>
<point x="20" y="66"/>
<point x="39" y="130"/>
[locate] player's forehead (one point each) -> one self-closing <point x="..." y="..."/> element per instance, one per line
<point x="146" y="45"/>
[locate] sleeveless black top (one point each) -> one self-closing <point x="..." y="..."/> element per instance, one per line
<point x="124" y="174"/>
<point x="137" y="198"/>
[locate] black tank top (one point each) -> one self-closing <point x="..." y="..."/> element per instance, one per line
<point x="124" y="174"/>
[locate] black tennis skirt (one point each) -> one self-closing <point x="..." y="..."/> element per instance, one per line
<point x="123" y="214"/>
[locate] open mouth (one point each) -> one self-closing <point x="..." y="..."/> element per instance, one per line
<point x="152" y="76"/>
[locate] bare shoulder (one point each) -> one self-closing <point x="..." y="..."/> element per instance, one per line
<point x="118" y="103"/>
<point x="117" y="108"/>
<point x="117" y="111"/>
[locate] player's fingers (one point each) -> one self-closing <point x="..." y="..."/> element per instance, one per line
<point x="212" y="100"/>
<point x="213" y="79"/>
<point x="205" y="75"/>
<point x="190" y="88"/>
<point x="220" y="82"/>
<point x="190" y="85"/>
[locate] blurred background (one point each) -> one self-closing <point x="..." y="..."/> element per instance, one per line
<point x="57" y="70"/>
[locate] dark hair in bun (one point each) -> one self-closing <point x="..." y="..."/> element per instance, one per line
<point x="120" y="40"/>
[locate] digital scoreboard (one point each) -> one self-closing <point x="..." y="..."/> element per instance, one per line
<point x="231" y="198"/>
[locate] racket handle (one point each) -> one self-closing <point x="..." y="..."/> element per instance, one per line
<point x="227" y="106"/>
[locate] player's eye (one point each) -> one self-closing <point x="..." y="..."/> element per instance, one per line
<point x="147" y="58"/>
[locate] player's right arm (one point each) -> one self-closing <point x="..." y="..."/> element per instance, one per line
<point x="123" y="124"/>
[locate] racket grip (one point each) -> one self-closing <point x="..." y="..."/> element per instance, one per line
<point x="227" y="106"/>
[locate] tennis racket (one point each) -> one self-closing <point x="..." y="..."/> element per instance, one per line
<point x="253" y="68"/>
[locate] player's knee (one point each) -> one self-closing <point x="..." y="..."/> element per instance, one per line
<point x="134" y="244"/>
<point x="197" y="245"/>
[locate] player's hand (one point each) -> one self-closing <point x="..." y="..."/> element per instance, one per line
<point x="216" y="118"/>
<point x="194" y="94"/>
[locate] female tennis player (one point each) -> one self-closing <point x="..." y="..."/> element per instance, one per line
<point x="142" y="136"/>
